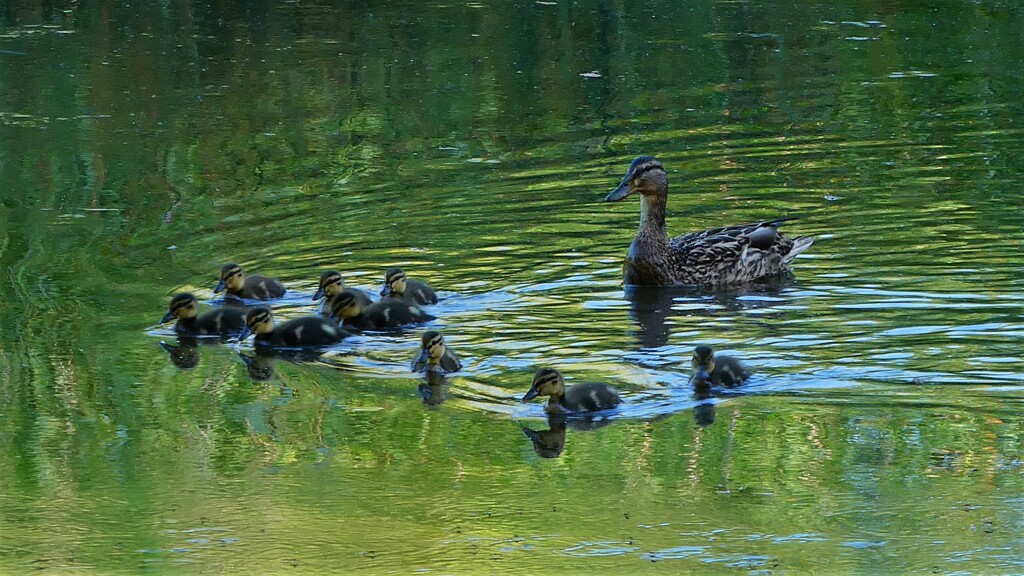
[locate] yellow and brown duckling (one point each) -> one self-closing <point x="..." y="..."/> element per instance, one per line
<point x="225" y="321"/>
<point x="435" y="356"/>
<point x="300" y="332"/>
<point x="710" y="368"/>
<point x="255" y="287"/>
<point x="713" y="257"/>
<point x="398" y="287"/>
<point x="331" y="284"/>
<point x="584" y="397"/>
<point x="378" y="316"/>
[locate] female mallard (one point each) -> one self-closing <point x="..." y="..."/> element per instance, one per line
<point x="304" y="331"/>
<point x="585" y="397"/>
<point x="223" y="321"/>
<point x="397" y="287"/>
<point x="714" y="257"/>
<point x="234" y="280"/>
<point x="331" y="283"/>
<point x="435" y="356"/>
<point x="378" y="316"/>
<point x="719" y="370"/>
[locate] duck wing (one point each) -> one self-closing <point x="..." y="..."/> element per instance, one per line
<point x="732" y="254"/>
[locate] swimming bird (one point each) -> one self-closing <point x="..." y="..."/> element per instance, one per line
<point x="331" y="283"/>
<point x="435" y="356"/>
<point x="256" y="287"/>
<point x="584" y="397"/>
<point x="714" y="257"/>
<point x="718" y="369"/>
<point x="398" y="287"/>
<point x="377" y="316"/>
<point x="223" y="321"/>
<point x="304" y="331"/>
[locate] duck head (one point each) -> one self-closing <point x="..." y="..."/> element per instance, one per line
<point x="394" y="282"/>
<point x="331" y="283"/>
<point x="182" y="307"/>
<point x="257" y="321"/>
<point x="702" y="363"/>
<point x="547" y="382"/>
<point x="345" y="305"/>
<point x="232" y="277"/>
<point x="646" y="175"/>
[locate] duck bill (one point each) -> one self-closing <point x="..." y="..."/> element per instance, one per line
<point x="385" y="291"/>
<point x="167" y="318"/>
<point x="319" y="294"/>
<point x="702" y="375"/>
<point x="420" y="362"/>
<point x="530" y="395"/>
<point x="220" y="287"/>
<point x="620" y="192"/>
<point x="245" y="333"/>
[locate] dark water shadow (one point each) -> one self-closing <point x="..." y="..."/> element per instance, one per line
<point x="550" y="443"/>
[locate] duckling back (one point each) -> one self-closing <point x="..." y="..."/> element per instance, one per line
<point x="590" y="397"/>
<point x="393" y="313"/>
<point x="729" y="371"/>
<point x="304" y="331"/>
<point x="416" y="293"/>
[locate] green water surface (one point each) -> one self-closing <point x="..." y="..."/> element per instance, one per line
<point x="144" y="144"/>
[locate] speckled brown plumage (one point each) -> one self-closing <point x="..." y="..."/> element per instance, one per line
<point x="715" y="257"/>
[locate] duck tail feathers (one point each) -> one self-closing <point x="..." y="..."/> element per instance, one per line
<point x="800" y="243"/>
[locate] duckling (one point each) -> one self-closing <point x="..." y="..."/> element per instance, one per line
<point x="713" y="257"/>
<point x="256" y="287"/>
<point x="331" y="283"/>
<point x="585" y="397"/>
<point x="304" y="331"/>
<point x="434" y="356"/>
<point x="397" y="287"/>
<point x="720" y="370"/>
<point x="223" y="321"/>
<point x="381" y="315"/>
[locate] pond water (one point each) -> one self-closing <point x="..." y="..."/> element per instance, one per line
<point x="143" y="145"/>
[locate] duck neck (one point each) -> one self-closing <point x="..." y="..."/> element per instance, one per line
<point x="652" y="216"/>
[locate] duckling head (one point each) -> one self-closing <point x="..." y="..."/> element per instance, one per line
<point x="257" y="321"/>
<point x="232" y="277"/>
<point x="703" y="363"/>
<point x="646" y="175"/>
<point x="547" y="382"/>
<point x="433" y="346"/>
<point x="345" y="305"/>
<point x="394" y="282"/>
<point x="331" y="283"/>
<point x="183" y="306"/>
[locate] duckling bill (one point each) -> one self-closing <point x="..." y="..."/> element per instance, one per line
<point x="576" y="398"/>
<point x="398" y="287"/>
<point x="255" y="287"/>
<point x="300" y="332"/>
<point x="378" y="316"/>
<point x="435" y="356"/>
<point x="718" y="369"/>
<point x="225" y="321"/>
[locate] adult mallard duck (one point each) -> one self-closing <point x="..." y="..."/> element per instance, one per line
<point x="710" y="368"/>
<point x="584" y="397"/>
<point x="714" y="257"/>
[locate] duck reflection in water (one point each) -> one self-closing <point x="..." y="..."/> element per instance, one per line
<point x="185" y="354"/>
<point x="651" y="307"/>
<point x="551" y="442"/>
<point x="260" y="367"/>
<point x="433" y="390"/>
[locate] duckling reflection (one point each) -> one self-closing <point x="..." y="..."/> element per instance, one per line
<point x="432" y="391"/>
<point x="184" y="355"/>
<point x="651" y="307"/>
<point x="260" y="366"/>
<point x="551" y="442"/>
<point x="704" y="414"/>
